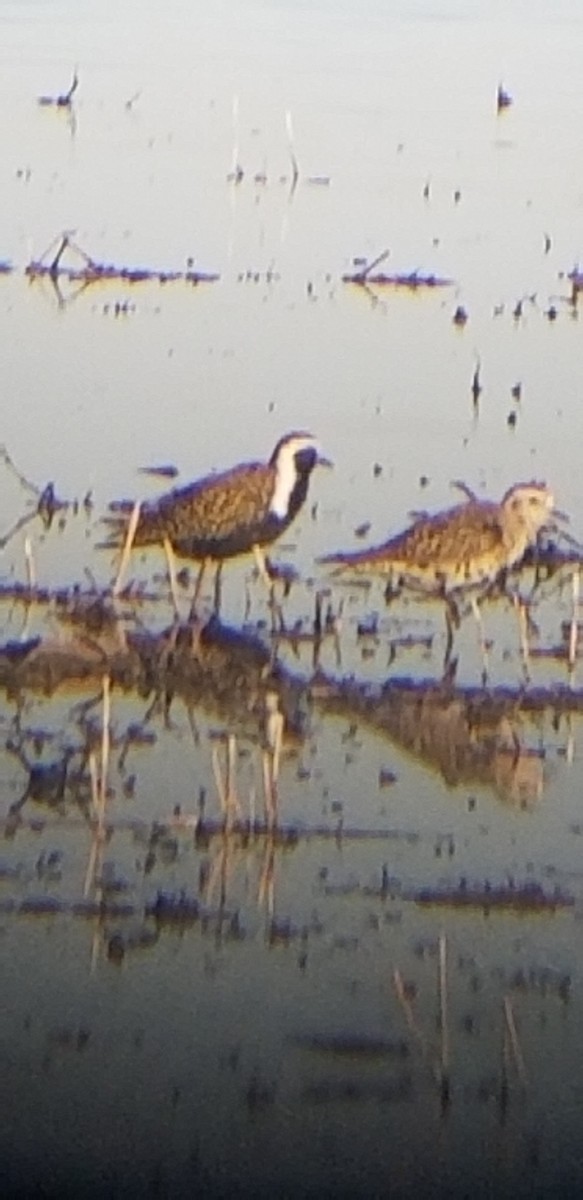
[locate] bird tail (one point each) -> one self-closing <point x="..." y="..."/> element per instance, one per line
<point x="117" y="524"/>
<point x="355" y="561"/>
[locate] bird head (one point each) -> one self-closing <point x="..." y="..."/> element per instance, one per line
<point x="531" y="505"/>
<point x="293" y="460"/>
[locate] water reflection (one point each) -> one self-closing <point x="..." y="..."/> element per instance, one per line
<point x="214" y="673"/>
<point x="470" y="737"/>
<point x="229" y="885"/>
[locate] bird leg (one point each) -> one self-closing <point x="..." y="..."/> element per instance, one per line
<point x="127" y="548"/>
<point x="452" y="622"/>
<point x="522" y="613"/>
<point x="481" y="639"/>
<point x="197" y="588"/>
<point x="268" y="581"/>
<point x="170" y="559"/>
<point x="218" y="589"/>
<point x="261" y="565"/>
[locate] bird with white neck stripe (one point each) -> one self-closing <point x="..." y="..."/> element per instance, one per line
<point x="239" y="511"/>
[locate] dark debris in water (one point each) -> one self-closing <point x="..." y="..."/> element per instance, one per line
<point x="354" y="1091"/>
<point x="528" y="897"/>
<point x="353" y="1045"/>
<point x="86" y="270"/>
<point x="366" y="276"/>
<point x="171" y="908"/>
<point x="63" y="100"/>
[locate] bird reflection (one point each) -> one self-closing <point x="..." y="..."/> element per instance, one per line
<point x="469" y="737"/>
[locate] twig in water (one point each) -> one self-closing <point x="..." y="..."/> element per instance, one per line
<point x="20" y="523"/>
<point x="375" y="263"/>
<point x="467" y="491"/>
<point x="47" y="502"/>
<point x="476" y="385"/>
<point x="290" y="143"/>
<point x="236" y="173"/>
<point x="64" y="100"/>
<point x="26" y="483"/>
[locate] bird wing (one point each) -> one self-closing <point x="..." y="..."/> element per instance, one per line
<point x="456" y="535"/>
<point x="459" y="534"/>
<point x="204" y="513"/>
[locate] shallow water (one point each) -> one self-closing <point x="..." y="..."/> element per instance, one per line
<point x="257" y="1045"/>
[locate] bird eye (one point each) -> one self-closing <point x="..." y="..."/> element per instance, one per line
<point x="533" y="500"/>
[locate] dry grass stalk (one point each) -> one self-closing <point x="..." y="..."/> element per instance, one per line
<point x="514" y="1040"/>
<point x="95" y="841"/>
<point x="219" y="778"/>
<point x="93" y="775"/>
<point x="290" y="143"/>
<point x="408" y="1011"/>
<point x="443" y="1014"/>
<point x="573" y="632"/>
<point x="98" y="799"/>
<point x="236" y="173"/>
<point x="523" y="633"/>
<point x="266" y="890"/>
<point x="271" y="756"/>
<point x="228" y="798"/>
<point x="220" y="872"/>
<point x="105" y="745"/>
<point x="99" y="789"/>
<point x="252" y="805"/>
<point x="30" y="567"/>
<point x="481" y="637"/>
<point x="127" y="549"/>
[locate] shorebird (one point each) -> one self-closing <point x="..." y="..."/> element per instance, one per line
<point x="457" y="552"/>
<point x="222" y="516"/>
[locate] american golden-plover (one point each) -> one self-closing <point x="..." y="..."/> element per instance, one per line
<point x="236" y="512"/>
<point x="458" y="552"/>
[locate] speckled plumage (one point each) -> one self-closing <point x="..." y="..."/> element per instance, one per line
<point x="459" y="549"/>
<point x="226" y="514"/>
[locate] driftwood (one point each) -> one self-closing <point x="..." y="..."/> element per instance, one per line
<point x="64" y="99"/>
<point x="366" y="276"/>
<point x="412" y="280"/>
<point x="87" y="270"/>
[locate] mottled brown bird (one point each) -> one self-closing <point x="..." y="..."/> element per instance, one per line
<point x="461" y="550"/>
<point x="236" y="512"/>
